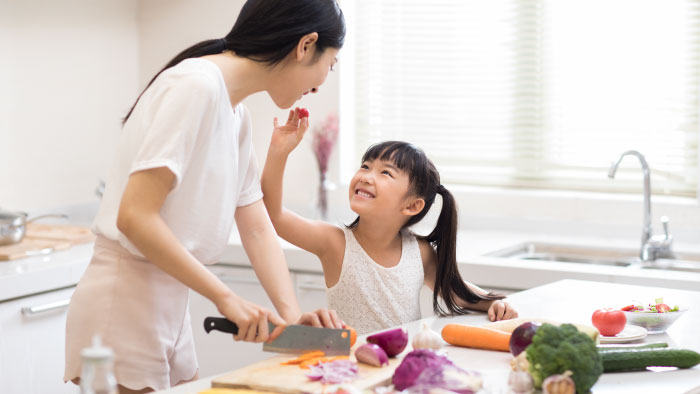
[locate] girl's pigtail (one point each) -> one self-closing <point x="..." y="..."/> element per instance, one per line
<point x="448" y="282"/>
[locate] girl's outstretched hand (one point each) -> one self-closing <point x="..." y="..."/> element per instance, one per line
<point x="251" y="319"/>
<point x="286" y="137"/>
<point x="501" y="310"/>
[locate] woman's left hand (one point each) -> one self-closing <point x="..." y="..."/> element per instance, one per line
<point x="321" y="318"/>
<point x="501" y="310"/>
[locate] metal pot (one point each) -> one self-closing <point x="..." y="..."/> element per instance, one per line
<point x="13" y="225"/>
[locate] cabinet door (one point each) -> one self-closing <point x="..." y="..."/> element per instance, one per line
<point x="32" y="344"/>
<point x="311" y="291"/>
<point x="217" y="352"/>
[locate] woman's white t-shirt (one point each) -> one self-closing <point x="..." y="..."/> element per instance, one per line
<point x="184" y="122"/>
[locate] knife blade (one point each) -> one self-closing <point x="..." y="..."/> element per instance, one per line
<point x="295" y="339"/>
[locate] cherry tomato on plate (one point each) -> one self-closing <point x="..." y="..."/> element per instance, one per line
<point x="609" y="321"/>
<point x="662" y="308"/>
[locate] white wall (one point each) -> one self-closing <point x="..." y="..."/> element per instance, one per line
<point x="68" y="71"/>
<point x="169" y="26"/>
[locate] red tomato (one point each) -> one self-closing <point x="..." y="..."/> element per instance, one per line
<point x="609" y="321"/>
<point x="627" y="308"/>
<point x="661" y="308"/>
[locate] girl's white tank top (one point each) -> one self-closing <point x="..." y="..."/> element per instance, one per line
<point x="370" y="297"/>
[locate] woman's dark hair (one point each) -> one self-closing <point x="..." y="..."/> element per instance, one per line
<point x="424" y="181"/>
<point x="266" y="31"/>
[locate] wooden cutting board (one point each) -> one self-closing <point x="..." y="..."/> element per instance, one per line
<point x="46" y="238"/>
<point x="31" y="246"/>
<point x="72" y="234"/>
<point x="269" y="375"/>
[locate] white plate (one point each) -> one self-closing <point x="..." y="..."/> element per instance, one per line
<point x="630" y="333"/>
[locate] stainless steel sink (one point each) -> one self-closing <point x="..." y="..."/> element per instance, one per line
<point x="596" y="256"/>
<point x="675" y="265"/>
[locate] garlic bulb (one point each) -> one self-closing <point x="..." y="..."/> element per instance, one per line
<point x="427" y="339"/>
<point x="521" y="382"/>
<point x="559" y="384"/>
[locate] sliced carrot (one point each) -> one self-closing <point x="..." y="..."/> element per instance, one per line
<point x="476" y="337"/>
<point x="353" y="335"/>
<point x="318" y="360"/>
<point x="304" y="357"/>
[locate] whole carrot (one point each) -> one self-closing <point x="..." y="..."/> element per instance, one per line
<point x="476" y="337"/>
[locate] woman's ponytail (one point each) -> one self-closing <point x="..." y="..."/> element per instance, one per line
<point x="267" y="31"/>
<point x="204" y="48"/>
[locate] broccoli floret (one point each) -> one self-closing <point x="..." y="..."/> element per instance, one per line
<point x="554" y="350"/>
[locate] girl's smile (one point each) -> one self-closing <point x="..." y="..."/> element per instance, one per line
<point x="363" y="193"/>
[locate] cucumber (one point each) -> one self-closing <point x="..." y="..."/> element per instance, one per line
<point x="633" y="347"/>
<point x="639" y="360"/>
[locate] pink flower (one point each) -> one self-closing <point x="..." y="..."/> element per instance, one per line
<point x="324" y="139"/>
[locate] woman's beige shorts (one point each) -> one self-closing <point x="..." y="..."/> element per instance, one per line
<point x="140" y="311"/>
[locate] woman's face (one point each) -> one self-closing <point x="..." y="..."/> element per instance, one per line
<point x="300" y="77"/>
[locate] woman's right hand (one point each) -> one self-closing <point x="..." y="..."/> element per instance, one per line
<point x="251" y="319"/>
<point x="288" y="136"/>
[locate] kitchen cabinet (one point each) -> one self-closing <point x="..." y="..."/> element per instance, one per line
<point x="311" y="291"/>
<point x="32" y="343"/>
<point x="217" y="352"/>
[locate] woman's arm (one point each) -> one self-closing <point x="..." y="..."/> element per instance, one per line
<point x="317" y="237"/>
<point x="263" y="248"/>
<point x="140" y="221"/>
<point x="496" y="309"/>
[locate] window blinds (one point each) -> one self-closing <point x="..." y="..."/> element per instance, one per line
<point x="533" y="94"/>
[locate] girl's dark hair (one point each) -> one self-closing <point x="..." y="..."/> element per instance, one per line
<point x="424" y="181"/>
<point x="266" y="31"/>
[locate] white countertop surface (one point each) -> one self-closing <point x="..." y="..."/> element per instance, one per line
<point x="572" y="301"/>
<point x="61" y="269"/>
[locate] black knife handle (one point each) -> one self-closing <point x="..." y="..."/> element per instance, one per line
<point x="220" y="323"/>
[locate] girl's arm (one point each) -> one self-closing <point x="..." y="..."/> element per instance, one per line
<point x="317" y="237"/>
<point x="496" y="309"/>
<point x="262" y="247"/>
<point x="140" y="221"/>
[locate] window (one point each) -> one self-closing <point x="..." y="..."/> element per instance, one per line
<point x="538" y="94"/>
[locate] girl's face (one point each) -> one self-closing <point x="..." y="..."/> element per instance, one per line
<point x="379" y="189"/>
<point x="301" y="75"/>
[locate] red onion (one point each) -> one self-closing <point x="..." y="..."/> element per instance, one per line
<point x="371" y="354"/>
<point x="338" y="371"/>
<point x="393" y="341"/>
<point x="522" y="337"/>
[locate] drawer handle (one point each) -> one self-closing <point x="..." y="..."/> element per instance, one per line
<point x="311" y="286"/>
<point x="52" y="306"/>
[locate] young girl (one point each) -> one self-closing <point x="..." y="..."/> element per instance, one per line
<point x="375" y="268"/>
<point x="185" y="167"/>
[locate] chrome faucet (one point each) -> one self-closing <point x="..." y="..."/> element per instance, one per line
<point x="653" y="246"/>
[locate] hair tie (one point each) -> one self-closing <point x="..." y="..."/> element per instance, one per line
<point x="222" y="44"/>
<point x="439" y="189"/>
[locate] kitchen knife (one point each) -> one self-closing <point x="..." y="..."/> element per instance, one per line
<point x="295" y="339"/>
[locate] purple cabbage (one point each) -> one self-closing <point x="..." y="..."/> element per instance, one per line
<point x="423" y="370"/>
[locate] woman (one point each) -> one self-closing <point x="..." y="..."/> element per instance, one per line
<point x="185" y="167"/>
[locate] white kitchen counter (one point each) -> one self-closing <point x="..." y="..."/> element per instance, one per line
<point x="571" y="301"/>
<point x="504" y="273"/>
<point x="61" y="269"/>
